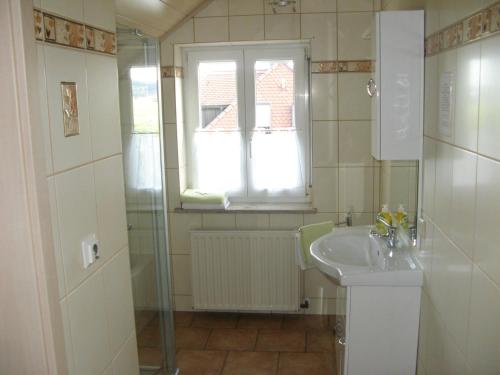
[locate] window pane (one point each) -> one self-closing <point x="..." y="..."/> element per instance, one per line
<point x="274" y="94"/>
<point x="144" y="99"/>
<point x="217" y="95"/>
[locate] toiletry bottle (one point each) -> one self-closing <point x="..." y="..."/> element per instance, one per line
<point x="386" y="214"/>
<point x="402" y="217"/>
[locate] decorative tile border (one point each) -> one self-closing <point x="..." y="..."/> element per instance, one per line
<point x="359" y="66"/>
<point x="475" y="27"/>
<point x="171" y="71"/>
<point x="57" y="30"/>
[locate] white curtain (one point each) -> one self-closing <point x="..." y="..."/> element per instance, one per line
<point x="143" y="162"/>
<point x="276" y="164"/>
<point x="217" y="161"/>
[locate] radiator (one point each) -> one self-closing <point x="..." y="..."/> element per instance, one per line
<point x="244" y="270"/>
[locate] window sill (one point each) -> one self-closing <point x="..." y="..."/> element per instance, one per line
<point x="257" y="208"/>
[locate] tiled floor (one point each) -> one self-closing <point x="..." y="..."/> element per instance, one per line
<point x="244" y="344"/>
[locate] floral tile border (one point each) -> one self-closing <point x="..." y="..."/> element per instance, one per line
<point x="358" y="66"/>
<point x="57" y="30"/>
<point x="171" y="71"/>
<point x="475" y="27"/>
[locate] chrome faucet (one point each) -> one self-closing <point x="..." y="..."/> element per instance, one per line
<point x="391" y="236"/>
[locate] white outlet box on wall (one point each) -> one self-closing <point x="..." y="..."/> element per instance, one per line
<point x="90" y="250"/>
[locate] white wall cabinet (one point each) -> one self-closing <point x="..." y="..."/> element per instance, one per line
<point x="377" y="330"/>
<point x="396" y="88"/>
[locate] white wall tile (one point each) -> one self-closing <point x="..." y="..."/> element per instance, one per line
<point x="356" y="189"/>
<point x="355" y="143"/>
<point x="171" y="150"/>
<point x="324" y="96"/>
<point x="355" y="32"/>
<point x="429" y="176"/>
<point x="325" y="193"/>
<point x="66" y="8"/>
<point x="285" y="221"/>
<point x="444" y="178"/>
<point x="431" y="98"/>
<point x="317" y="285"/>
<point x="56" y="237"/>
<point x="245" y="7"/>
<point x="486" y="254"/>
<point x="321" y="28"/>
<point x="354" y="5"/>
<point x="110" y="198"/>
<point x="100" y="13"/>
<point x="246" y="28"/>
<point x="89" y="326"/>
<point x="169" y="100"/>
<point x="282" y="26"/>
<point x="180" y="225"/>
<point x="450" y="287"/>
<point x="252" y="221"/>
<point x="296" y="8"/>
<point x="184" y="34"/>
<point x="181" y="266"/>
<point x="118" y="294"/>
<point x="211" y="29"/>
<point x="214" y="9"/>
<point x="317" y="6"/>
<point x="489" y="116"/>
<point x="467" y="97"/>
<point x="354" y="104"/>
<point x="127" y="361"/>
<point x="68" y="344"/>
<point x="447" y="64"/>
<point x="44" y="111"/>
<point x="325" y="144"/>
<point x="483" y="338"/>
<point x="320" y="218"/>
<point x="77" y="215"/>
<point x="65" y="65"/>
<point x="173" y="189"/>
<point x="104" y="107"/>
<point x="219" y="221"/>
<point x="463" y="200"/>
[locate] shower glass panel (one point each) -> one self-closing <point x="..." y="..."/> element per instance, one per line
<point x="141" y="127"/>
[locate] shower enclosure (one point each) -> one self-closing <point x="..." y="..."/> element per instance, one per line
<point x="141" y="128"/>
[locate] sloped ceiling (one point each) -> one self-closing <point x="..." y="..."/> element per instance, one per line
<point x="156" y="17"/>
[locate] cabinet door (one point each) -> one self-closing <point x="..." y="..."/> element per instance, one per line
<point x="341" y="330"/>
<point x="373" y="90"/>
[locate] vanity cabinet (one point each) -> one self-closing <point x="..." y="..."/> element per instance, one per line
<point x="377" y="330"/>
<point x="396" y="88"/>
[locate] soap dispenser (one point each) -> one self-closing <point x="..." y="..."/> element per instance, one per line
<point x="386" y="214"/>
<point x="402" y="217"/>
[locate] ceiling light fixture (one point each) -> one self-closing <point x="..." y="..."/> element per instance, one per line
<point x="282" y="4"/>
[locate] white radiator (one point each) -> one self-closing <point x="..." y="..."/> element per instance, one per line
<point x="244" y="270"/>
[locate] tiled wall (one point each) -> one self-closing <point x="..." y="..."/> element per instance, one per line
<point x="460" y="315"/>
<point x="85" y="179"/>
<point x="345" y="177"/>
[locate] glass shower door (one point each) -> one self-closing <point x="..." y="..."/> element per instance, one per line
<point x="141" y="125"/>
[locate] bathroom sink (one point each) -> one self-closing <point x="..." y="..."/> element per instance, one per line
<point x="353" y="257"/>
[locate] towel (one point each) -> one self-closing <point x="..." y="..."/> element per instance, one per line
<point x="203" y="199"/>
<point x="306" y="235"/>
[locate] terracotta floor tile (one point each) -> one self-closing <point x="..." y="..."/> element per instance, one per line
<point x="305" y="322"/>
<point x="191" y="338"/>
<point x="260" y="321"/>
<point x="215" y="320"/>
<point x="232" y="339"/>
<point x="183" y="318"/>
<point x="150" y="357"/>
<point x="251" y="363"/>
<point x="143" y="318"/>
<point x="320" y="341"/>
<point x="149" y="336"/>
<point x="281" y="341"/>
<point x="200" y="362"/>
<point x="306" y="364"/>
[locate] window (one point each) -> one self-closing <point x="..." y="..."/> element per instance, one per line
<point x="144" y="81"/>
<point x="247" y="121"/>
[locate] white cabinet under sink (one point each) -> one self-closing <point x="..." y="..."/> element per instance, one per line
<point x="377" y="330"/>
<point x="396" y="87"/>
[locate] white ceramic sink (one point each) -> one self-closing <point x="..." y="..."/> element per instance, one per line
<point x="353" y="257"/>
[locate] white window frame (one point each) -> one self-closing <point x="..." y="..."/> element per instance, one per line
<point x="245" y="57"/>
